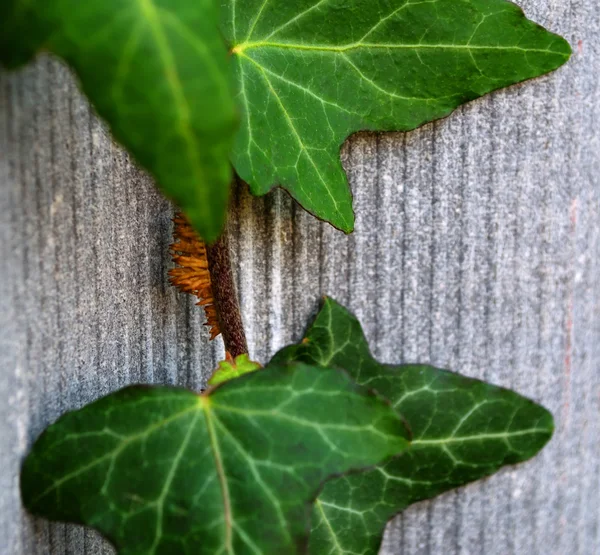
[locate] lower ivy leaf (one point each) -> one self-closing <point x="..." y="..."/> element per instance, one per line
<point x="463" y="429"/>
<point x="165" y="471"/>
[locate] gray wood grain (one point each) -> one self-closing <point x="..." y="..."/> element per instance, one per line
<point x="477" y="248"/>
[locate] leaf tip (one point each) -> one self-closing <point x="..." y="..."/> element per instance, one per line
<point x="563" y="48"/>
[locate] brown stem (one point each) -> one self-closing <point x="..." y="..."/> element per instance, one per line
<point x="225" y="297"/>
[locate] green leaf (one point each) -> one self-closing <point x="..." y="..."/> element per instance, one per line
<point x="463" y="429"/>
<point x="157" y="72"/>
<point x="22" y="33"/>
<point x="230" y="369"/>
<point x="165" y="471"/>
<point x="309" y="73"/>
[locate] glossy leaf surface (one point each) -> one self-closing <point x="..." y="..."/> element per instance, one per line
<point x="462" y="430"/>
<point x="165" y="471"/>
<point x="311" y="72"/>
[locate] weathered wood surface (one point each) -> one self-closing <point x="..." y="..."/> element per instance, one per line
<point x="477" y="248"/>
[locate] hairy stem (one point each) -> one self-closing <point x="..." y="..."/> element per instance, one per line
<point x="225" y="297"/>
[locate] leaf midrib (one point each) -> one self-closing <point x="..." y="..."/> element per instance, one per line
<point x="478" y="437"/>
<point x="150" y="13"/>
<point x="214" y="443"/>
<point x="244" y="47"/>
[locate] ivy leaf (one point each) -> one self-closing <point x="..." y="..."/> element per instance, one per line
<point x="233" y="368"/>
<point x="311" y="72"/>
<point x="157" y="72"/>
<point x="463" y="429"/>
<point x="22" y="34"/>
<point x="165" y="471"/>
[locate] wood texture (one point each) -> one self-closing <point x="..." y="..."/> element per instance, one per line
<point x="477" y="248"/>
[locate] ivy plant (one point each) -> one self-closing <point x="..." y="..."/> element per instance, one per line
<point x="308" y="74"/>
<point x="167" y="75"/>
<point x="316" y="451"/>
<point x="462" y="430"/>
<point x="234" y="470"/>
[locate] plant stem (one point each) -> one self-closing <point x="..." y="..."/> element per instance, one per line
<point x="225" y="296"/>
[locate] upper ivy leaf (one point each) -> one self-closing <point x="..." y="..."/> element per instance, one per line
<point x="22" y="33"/>
<point x="158" y="73"/>
<point x="309" y="73"/>
<point x="165" y="471"/>
<point x="463" y="429"/>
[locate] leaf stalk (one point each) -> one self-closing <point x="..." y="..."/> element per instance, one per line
<point x="225" y="296"/>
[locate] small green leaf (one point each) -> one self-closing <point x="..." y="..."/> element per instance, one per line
<point x="157" y="72"/>
<point x="463" y="429"/>
<point x="165" y="471"/>
<point x="309" y="73"/>
<point x="228" y="370"/>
